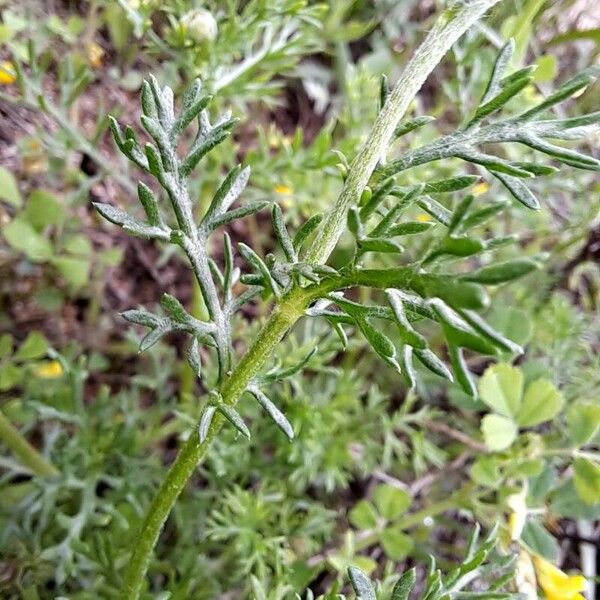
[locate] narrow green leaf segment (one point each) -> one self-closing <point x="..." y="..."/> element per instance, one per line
<point x="300" y="283"/>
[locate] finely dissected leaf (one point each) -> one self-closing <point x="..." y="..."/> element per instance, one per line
<point x="453" y="184"/>
<point x="457" y="331"/>
<point x="408" y="333"/>
<point x="379" y="245"/>
<point x="239" y="213"/>
<point x="565" y="91"/>
<point x="257" y="262"/>
<point x="501" y="272"/>
<point x="278" y="417"/>
<point x="378" y="196"/>
<point x="498" y="432"/>
<point x="430" y="360"/>
<point x="131" y="224"/>
<point x="233" y="417"/>
<point x="282" y="234"/>
<point x="519" y="190"/>
<point x="501" y="388"/>
<point x="205" y="422"/>
<point x="175" y="309"/>
<point x="409" y="228"/>
<point x="411" y="125"/>
<point x="142" y="317"/>
<point x="193" y="357"/>
<point x="460" y="212"/>
<point x="361" y="584"/>
<point x="486" y="331"/>
<point x="500" y="65"/>
<point x="501" y="98"/>
<point x="148" y="201"/>
<point x="307" y="228"/>
<point x="226" y="195"/>
<point x="458" y="246"/>
<point x="204" y="145"/>
<point x="462" y="375"/>
<point x="153" y="337"/>
<point x="404" y="585"/>
<point x="407" y="367"/>
<point x="457" y="294"/>
<point x="542" y="402"/>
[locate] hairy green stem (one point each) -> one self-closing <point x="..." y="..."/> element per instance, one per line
<point x="193" y="451"/>
<point x="452" y="23"/>
<point x="24" y="451"/>
<point x="450" y="26"/>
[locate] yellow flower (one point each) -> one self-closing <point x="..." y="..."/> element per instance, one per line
<point x="94" y="55"/>
<point x="556" y="584"/>
<point x="49" y="370"/>
<point x="518" y="514"/>
<point x="281" y="188"/>
<point x="7" y="73"/>
<point x="481" y="188"/>
<point x="423" y="218"/>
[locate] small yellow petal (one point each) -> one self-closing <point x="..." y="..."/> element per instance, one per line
<point x="281" y="188"/>
<point x="49" y="370"/>
<point x="556" y="584"/>
<point x="481" y="188"/>
<point x="423" y="218"/>
<point x="94" y="55"/>
<point x="7" y="73"/>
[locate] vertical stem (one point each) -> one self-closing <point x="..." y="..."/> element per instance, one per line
<point x="193" y="451"/>
<point x="450" y="26"/>
<point x="24" y="451"/>
<point x="452" y="23"/>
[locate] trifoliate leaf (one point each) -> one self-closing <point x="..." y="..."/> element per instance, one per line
<point x="501" y="388"/>
<point x="390" y="501"/>
<point x="498" y="432"/>
<point x="396" y="543"/>
<point x="539" y="540"/>
<point x="583" y="419"/>
<point x="587" y="480"/>
<point x="34" y="346"/>
<point x="9" y="191"/>
<point x="542" y="401"/>
<point x="363" y="515"/>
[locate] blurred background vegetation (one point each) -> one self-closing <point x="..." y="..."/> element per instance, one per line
<point x="265" y="518"/>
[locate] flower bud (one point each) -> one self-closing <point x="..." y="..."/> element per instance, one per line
<point x="199" y="25"/>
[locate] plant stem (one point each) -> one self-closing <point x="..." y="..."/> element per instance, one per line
<point x="24" y="451"/>
<point x="449" y="27"/>
<point x="193" y="451"/>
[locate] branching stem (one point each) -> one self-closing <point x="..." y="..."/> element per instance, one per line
<point x="449" y="27"/>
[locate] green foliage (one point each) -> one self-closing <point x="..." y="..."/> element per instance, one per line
<point x="438" y="274"/>
<point x="479" y="564"/>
